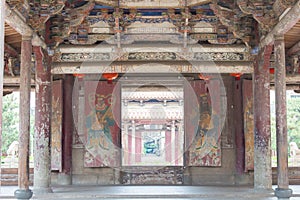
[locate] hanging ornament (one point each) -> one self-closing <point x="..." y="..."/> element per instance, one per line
<point x="80" y="76"/>
<point x="204" y="77"/>
<point x="236" y="75"/>
<point x="110" y="77"/>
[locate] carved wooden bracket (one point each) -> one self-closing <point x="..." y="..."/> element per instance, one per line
<point x="41" y="11"/>
<point x="266" y="13"/>
<point x="240" y="24"/>
<point x="70" y="20"/>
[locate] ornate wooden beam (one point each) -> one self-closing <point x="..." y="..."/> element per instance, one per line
<point x="154" y="67"/>
<point x="284" y="25"/>
<point x="150" y="47"/>
<point x="151" y="52"/>
<point x="15" y="21"/>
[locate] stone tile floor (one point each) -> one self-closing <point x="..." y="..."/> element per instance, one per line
<point x="153" y="192"/>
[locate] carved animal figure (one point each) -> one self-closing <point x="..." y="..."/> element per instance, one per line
<point x="13" y="149"/>
<point x="294" y="150"/>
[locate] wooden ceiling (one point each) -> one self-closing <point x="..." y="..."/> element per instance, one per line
<point x="13" y="38"/>
<point x="292" y="36"/>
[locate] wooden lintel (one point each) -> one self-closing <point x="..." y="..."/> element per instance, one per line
<point x="14" y="81"/>
<point x="13" y="19"/>
<point x="151" y="67"/>
<point x="283" y="26"/>
<point x="151" y="47"/>
<point x="294" y="49"/>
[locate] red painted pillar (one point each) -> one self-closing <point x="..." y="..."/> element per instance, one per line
<point x="24" y="135"/>
<point x="65" y="178"/>
<point x="262" y="132"/>
<point x="283" y="190"/>
<point x="42" y="159"/>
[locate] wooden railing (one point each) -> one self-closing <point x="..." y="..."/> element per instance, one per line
<point x="294" y="175"/>
<point x="9" y="176"/>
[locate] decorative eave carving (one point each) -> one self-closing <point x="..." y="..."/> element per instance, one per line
<point x="266" y="13"/>
<point x="71" y="21"/>
<point x="41" y="11"/>
<point x="261" y="11"/>
<point x="120" y="20"/>
<point x="21" y="7"/>
<point x="241" y="25"/>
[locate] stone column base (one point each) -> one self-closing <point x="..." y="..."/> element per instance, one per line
<point x="64" y="179"/>
<point x="283" y="193"/>
<point x="23" y="194"/>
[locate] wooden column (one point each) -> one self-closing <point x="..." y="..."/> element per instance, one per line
<point x="23" y="173"/>
<point x="2" y="10"/>
<point x="42" y="158"/>
<point x="283" y="190"/>
<point x="65" y="178"/>
<point x="262" y="132"/>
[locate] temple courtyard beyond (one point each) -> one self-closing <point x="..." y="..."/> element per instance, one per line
<point x="160" y="99"/>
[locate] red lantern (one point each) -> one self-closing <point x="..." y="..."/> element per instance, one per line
<point x="80" y="76"/>
<point x="236" y="75"/>
<point x="110" y="77"/>
<point x="272" y="70"/>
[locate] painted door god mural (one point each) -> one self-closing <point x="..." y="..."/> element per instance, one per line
<point x="203" y="124"/>
<point x="101" y="128"/>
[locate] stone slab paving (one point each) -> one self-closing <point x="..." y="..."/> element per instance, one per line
<point x="152" y="192"/>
